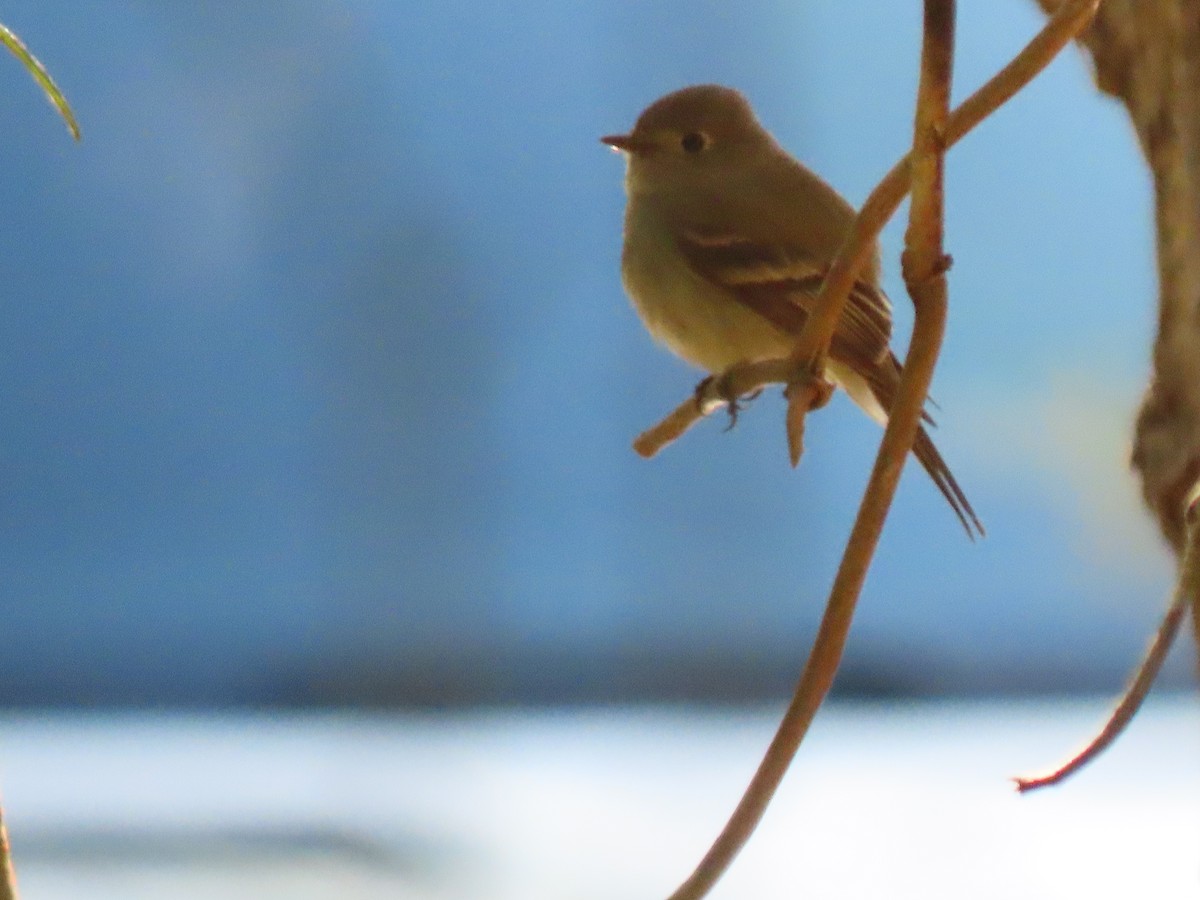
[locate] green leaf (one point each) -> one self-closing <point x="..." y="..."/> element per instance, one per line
<point x="42" y="77"/>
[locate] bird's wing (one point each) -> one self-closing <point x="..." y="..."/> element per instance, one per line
<point x="781" y="285"/>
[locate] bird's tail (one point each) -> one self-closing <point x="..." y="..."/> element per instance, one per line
<point x="928" y="456"/>
<point x="883" y="382"/>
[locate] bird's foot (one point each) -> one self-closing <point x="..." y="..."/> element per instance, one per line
<point x="720" y="389"/>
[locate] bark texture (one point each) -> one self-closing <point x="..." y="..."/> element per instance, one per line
<point x="1147" y="54"/>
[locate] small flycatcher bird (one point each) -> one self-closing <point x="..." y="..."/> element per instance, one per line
<point x="727" y="242"/>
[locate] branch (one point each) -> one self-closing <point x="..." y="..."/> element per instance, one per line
<point x="925" y="272"/>
<point x="925" y="264"/>
<point x="808" y="356"/>
<point x="1187" y="593"/>
<point x="8" y="880"/>
<point x="736" y="381"/>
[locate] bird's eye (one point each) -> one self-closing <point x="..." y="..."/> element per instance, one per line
<point x="693" y="142"/>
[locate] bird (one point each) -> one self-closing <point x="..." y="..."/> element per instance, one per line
<point x="727" y="240"/>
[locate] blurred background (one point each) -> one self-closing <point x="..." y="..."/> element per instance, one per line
<point x="320" y="380"/>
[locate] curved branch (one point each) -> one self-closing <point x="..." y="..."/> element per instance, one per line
<point x="925" y="275"/>
<point x="935" y="131"/>
<point x="1187" y="593"/>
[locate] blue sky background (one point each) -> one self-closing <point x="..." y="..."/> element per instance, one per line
<point x="320" y="381"/>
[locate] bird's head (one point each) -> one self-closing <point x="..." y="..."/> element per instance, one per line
<point x="685" y="137"/>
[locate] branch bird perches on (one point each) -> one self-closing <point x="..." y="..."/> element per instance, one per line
<point x="935" y="131"/>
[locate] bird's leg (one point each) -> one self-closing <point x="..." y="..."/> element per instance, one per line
<point x="722" y="388"/>
<point x="738" y="404"/>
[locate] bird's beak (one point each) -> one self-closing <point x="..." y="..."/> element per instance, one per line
<point x="626" y="143"/>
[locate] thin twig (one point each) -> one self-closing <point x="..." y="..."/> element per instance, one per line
<point x="8" y="879"/>
<point x="812" y="343"/>
<point x="925" y="266"/>
<point x="1187" y="593"/>
<point x="737" y="381"/>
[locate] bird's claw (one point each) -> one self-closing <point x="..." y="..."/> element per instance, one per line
<point x="719" y="387"/>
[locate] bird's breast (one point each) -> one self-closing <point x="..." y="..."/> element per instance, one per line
<point x="701" y="322"/>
